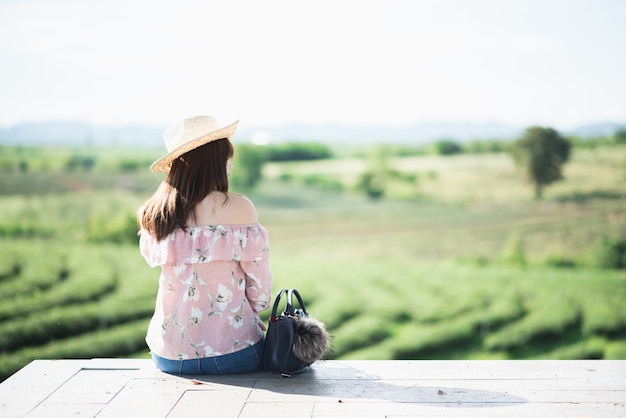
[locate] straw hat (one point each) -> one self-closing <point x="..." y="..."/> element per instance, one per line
<point x="189" y="134"/>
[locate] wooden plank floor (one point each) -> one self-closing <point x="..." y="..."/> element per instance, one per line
<point x="135" y="388"/>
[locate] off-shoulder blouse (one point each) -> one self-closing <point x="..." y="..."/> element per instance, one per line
<point x="214" y="281"/>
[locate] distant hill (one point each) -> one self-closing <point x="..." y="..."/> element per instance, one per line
<point x="80" y="134"/>
<point x="83" y="134"/>
<point x="416" y="134"/>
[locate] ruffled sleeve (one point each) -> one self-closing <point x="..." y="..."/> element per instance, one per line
<point x="203" y="244"/>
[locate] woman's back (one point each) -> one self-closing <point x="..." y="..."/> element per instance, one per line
<point x="214" y="282"/>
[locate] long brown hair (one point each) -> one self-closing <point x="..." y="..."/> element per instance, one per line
<point x="191" y="178"/>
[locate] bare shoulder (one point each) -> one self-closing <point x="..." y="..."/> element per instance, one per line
<point x="241" y="209"/>
<point x="219" y="209"/>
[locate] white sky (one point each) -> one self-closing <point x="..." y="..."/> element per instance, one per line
<point x="554" y="62"/>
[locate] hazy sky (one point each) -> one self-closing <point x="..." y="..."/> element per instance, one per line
<point x="553" y="62"/>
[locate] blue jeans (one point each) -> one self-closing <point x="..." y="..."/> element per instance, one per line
<point x="248" y="360"/>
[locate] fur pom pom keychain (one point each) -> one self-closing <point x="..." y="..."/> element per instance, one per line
<point x="311" y="341"/>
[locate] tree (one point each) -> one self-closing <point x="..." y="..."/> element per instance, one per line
<point x="447" y="147"/>
<point x="619" y="137"/>
<point x="540" y="153"/>
<point x="296" y="151"/>
<point x="375" y="181"/>
<point x="248" y="166"/>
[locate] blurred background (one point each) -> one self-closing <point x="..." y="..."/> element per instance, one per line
<point x="440" y="179"/>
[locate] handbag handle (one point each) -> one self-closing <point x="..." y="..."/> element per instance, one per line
<point x="289" y="309"/>
<point x="277" y="301"/>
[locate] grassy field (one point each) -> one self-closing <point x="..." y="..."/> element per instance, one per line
<point x="460" y="263"/>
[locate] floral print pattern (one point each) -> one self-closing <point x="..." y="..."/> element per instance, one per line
<point x="214" y="282"/>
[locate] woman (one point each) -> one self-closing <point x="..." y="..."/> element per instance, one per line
<point x="214" y="257"/>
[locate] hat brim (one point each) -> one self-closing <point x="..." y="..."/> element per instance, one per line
<point x="164" y="163"/>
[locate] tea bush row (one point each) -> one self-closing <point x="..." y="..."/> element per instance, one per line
<point x="27" y="278"/>
<point x="88" y="281"/>
<point x="65" y="321"/>
<point x="492" y="311"/>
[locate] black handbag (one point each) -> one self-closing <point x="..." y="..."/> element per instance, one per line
<point x="293" y="340"/>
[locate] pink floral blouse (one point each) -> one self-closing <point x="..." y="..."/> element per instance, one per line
<point x="214" y="282"/>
